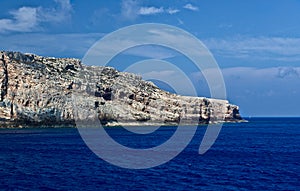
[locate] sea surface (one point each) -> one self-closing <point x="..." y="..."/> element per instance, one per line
<point x="263" y="154"/>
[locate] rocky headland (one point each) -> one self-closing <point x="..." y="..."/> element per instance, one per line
<point x="47" y="91"/>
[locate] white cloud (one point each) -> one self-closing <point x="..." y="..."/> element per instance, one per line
<point x="59" y="14"/>
<point x="191" y="7"/>
<point x="150" y="10"/>
<point x="261" y="48"/>
<point x="26" y="19"/>
<point x="155" y="10"/>
<point x="172" y="11"/>
<point x="129" y="9"/>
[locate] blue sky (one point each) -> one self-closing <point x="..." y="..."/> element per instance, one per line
<point x="256" y="43"/>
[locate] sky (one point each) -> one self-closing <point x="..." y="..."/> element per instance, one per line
<point x="255" y="43"/>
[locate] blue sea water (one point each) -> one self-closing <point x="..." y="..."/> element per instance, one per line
<point x="263" y="154"/>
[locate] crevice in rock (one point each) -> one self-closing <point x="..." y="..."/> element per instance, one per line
<point x="11" y="110"/>
<point x="4" y="83"/>
<point x="205" y="113"/>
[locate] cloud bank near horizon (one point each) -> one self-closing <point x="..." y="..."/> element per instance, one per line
<point x="28" y="19"/>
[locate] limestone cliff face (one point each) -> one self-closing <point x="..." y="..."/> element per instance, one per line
<point x="37" y="90"/>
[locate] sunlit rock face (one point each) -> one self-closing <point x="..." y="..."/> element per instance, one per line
<point x="47" y="91"/>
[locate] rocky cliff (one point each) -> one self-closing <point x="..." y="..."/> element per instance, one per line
<point x="48" y="91"/>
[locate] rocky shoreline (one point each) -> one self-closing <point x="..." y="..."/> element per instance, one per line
<point x="38" y="91"/>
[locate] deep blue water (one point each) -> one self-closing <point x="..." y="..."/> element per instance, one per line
<point x="263" y="154"/>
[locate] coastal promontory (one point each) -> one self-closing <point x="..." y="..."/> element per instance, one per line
<point x="47" y="91"/>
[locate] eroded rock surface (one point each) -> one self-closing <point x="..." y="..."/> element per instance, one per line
<point x="48" y="91"/>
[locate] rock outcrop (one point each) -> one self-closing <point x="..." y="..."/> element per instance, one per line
<point x="48" y="91"/>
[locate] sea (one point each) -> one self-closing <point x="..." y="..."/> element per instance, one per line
<point x="263" y="154"/>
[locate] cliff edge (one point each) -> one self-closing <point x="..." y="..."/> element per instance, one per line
<point x="47" y="91"/>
